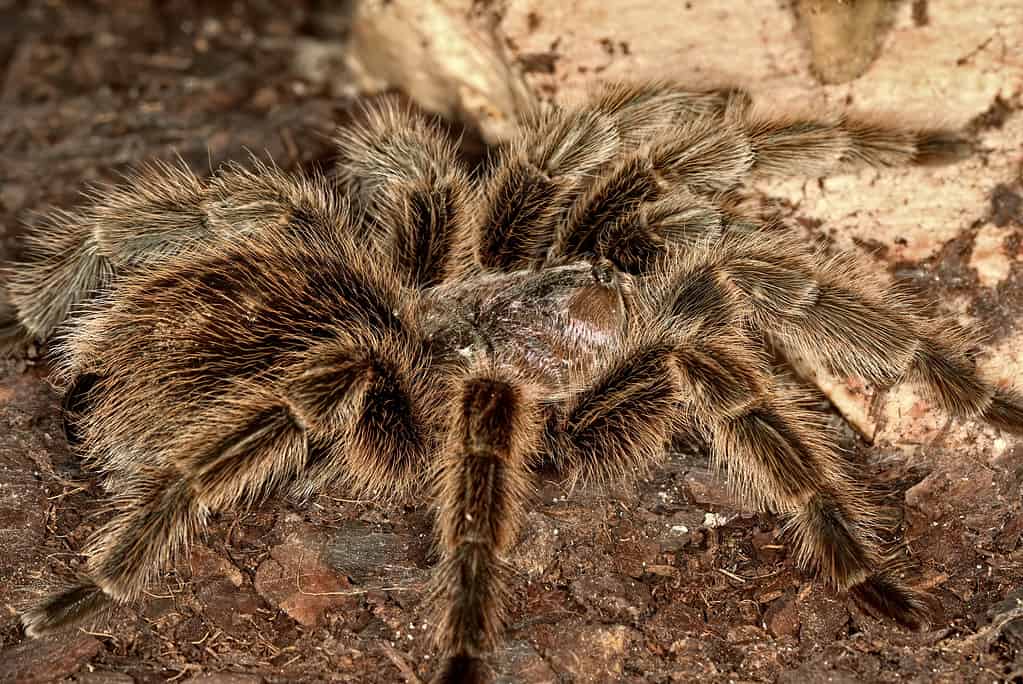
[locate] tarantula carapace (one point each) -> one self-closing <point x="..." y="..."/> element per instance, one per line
<point x="409" y="330"/>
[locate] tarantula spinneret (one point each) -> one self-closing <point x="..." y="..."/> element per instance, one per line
<point x="408" y="330"/>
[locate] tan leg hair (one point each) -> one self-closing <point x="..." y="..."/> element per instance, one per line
<point x="654" y="197"/>
<point x="535" y="181"/>
<point x="405" y="172"/>
<point x="840" y="315"/>
<point x="239" y="459"/>
<point x="483" y="486"/>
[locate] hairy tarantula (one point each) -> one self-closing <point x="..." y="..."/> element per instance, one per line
<point x="408" y="330"/>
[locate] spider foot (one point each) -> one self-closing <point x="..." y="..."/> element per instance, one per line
<point x="884" y="597"/>
<point x="64" y="608"/>
<point x="1006" y="411"/>
<point x="463" y="669"/>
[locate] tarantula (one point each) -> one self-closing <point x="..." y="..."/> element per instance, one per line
<point x="406" y="329"/>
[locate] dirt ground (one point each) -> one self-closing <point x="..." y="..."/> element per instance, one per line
<point x="666" y="583"/>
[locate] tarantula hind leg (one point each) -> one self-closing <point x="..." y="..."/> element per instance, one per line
<point x="70" y="257"/>
<point x="258" y="446"/>
<point x="482" y="484"/>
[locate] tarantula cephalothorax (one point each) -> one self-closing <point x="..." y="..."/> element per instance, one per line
<point x="409" y="330"/>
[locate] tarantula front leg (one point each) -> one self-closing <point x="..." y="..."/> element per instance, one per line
<point x="809" y="146"/>
<point x="774" y="453"/>
<point x="482" y="482"/>
<point x="790" y="145"/>
<point x="834" y="312"/>
<point x="405" y="173"/>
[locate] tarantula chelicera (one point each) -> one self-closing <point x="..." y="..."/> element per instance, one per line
<point x="409" y="330"/>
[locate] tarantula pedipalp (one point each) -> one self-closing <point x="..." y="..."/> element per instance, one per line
<point x="592" y="296"/>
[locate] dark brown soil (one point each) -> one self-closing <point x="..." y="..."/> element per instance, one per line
<point x="665" y="583"/>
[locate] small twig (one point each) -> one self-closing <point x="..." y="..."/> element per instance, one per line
<point x="731" y="575"/>
<point x="402" y="664"/>
<point x="353" y="592"/>
<point x="185" y="668"/>
<point x="79" y="488"/>
<point x="97" y="634"/>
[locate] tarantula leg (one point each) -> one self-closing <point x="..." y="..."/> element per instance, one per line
<point x="534" y="182"/>
<point x="369" y="412"/>
<point x="819" y="147"/>
<point x="614" y="430"/>
<point x="661" y="192"/>
<point x="631" y="217"/>
<point x="643" y="236"/>
<point x="775" y="453"/>
<point x="779" y="455"/>
<point x="541" y="174"/>
<point x="482" y="484"/>
<point x="708" y="155"/>
<point x="945" y="368"/>
<point x="420" y="202"/>
<point x="156" y="517"/>
<point x="156" y="213"/>
<point x="838" y="314"/>
<point x="72" y="256"/>
<point x="259" y="446"/>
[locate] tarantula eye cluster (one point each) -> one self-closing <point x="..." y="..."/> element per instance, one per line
<point x="411" y="330"/>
